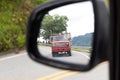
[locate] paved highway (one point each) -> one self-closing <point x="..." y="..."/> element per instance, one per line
<point x="21" y="67"/>
<point x="77" y="57"/>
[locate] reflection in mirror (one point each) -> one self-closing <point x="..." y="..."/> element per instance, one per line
<point x="66" y="33"/>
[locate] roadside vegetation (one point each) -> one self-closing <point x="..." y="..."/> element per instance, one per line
<point x="43" y="44"/>
<point x="81" y="49"/>
<point x="13" y="20"/>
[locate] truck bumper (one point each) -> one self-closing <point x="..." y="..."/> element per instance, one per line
<point x="61" y="49"/>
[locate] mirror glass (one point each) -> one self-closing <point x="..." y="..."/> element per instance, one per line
<point x="66" y="33"/>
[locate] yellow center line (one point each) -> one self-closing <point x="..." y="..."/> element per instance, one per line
<point x="52" y="75"/>
<point x="64" y="75"/>
<point x="105" y="62"/>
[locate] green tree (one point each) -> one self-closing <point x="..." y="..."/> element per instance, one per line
<point x="53" y="24"/>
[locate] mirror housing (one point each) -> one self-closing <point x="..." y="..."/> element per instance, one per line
<point x="100" y="38"/>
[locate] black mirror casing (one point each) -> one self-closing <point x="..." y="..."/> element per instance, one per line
<point x="100" y="38"/>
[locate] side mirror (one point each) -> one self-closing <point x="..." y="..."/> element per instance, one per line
<point x="43" y="23"/>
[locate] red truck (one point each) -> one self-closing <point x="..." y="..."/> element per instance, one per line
<point x="61" y="44"/>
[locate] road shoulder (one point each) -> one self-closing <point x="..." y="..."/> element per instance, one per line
<point x="7" y="54"/>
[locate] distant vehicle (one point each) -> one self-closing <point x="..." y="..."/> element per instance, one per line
<point x="61" y="44"/>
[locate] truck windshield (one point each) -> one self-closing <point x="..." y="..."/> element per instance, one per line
<point x="59" y="38"/>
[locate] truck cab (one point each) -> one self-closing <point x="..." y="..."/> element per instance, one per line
<point x="61" y="45"/>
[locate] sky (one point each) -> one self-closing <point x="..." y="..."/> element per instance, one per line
<point x="80" y="15"/>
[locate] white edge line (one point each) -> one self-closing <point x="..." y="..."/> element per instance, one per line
<point x="10" y="57"/>
<point x="84" y="55"/>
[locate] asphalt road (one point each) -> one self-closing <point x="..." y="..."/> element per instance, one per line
<point x="21" y="67"/>
<point x="77" y="57"/>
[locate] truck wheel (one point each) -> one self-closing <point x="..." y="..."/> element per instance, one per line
<point x="69" y="53"/>
<point x="54" y="54"/>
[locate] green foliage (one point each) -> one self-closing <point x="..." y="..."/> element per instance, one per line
<point x="21" y="40"/>
<point x="13" y="19"/>
<point x="38" y="1"/>
<point x="44" y="44"/>
<point x="81" y="49"/>
<point x="53" y="24"/>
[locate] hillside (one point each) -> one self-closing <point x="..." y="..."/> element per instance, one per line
<point x="82" y="40"/>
